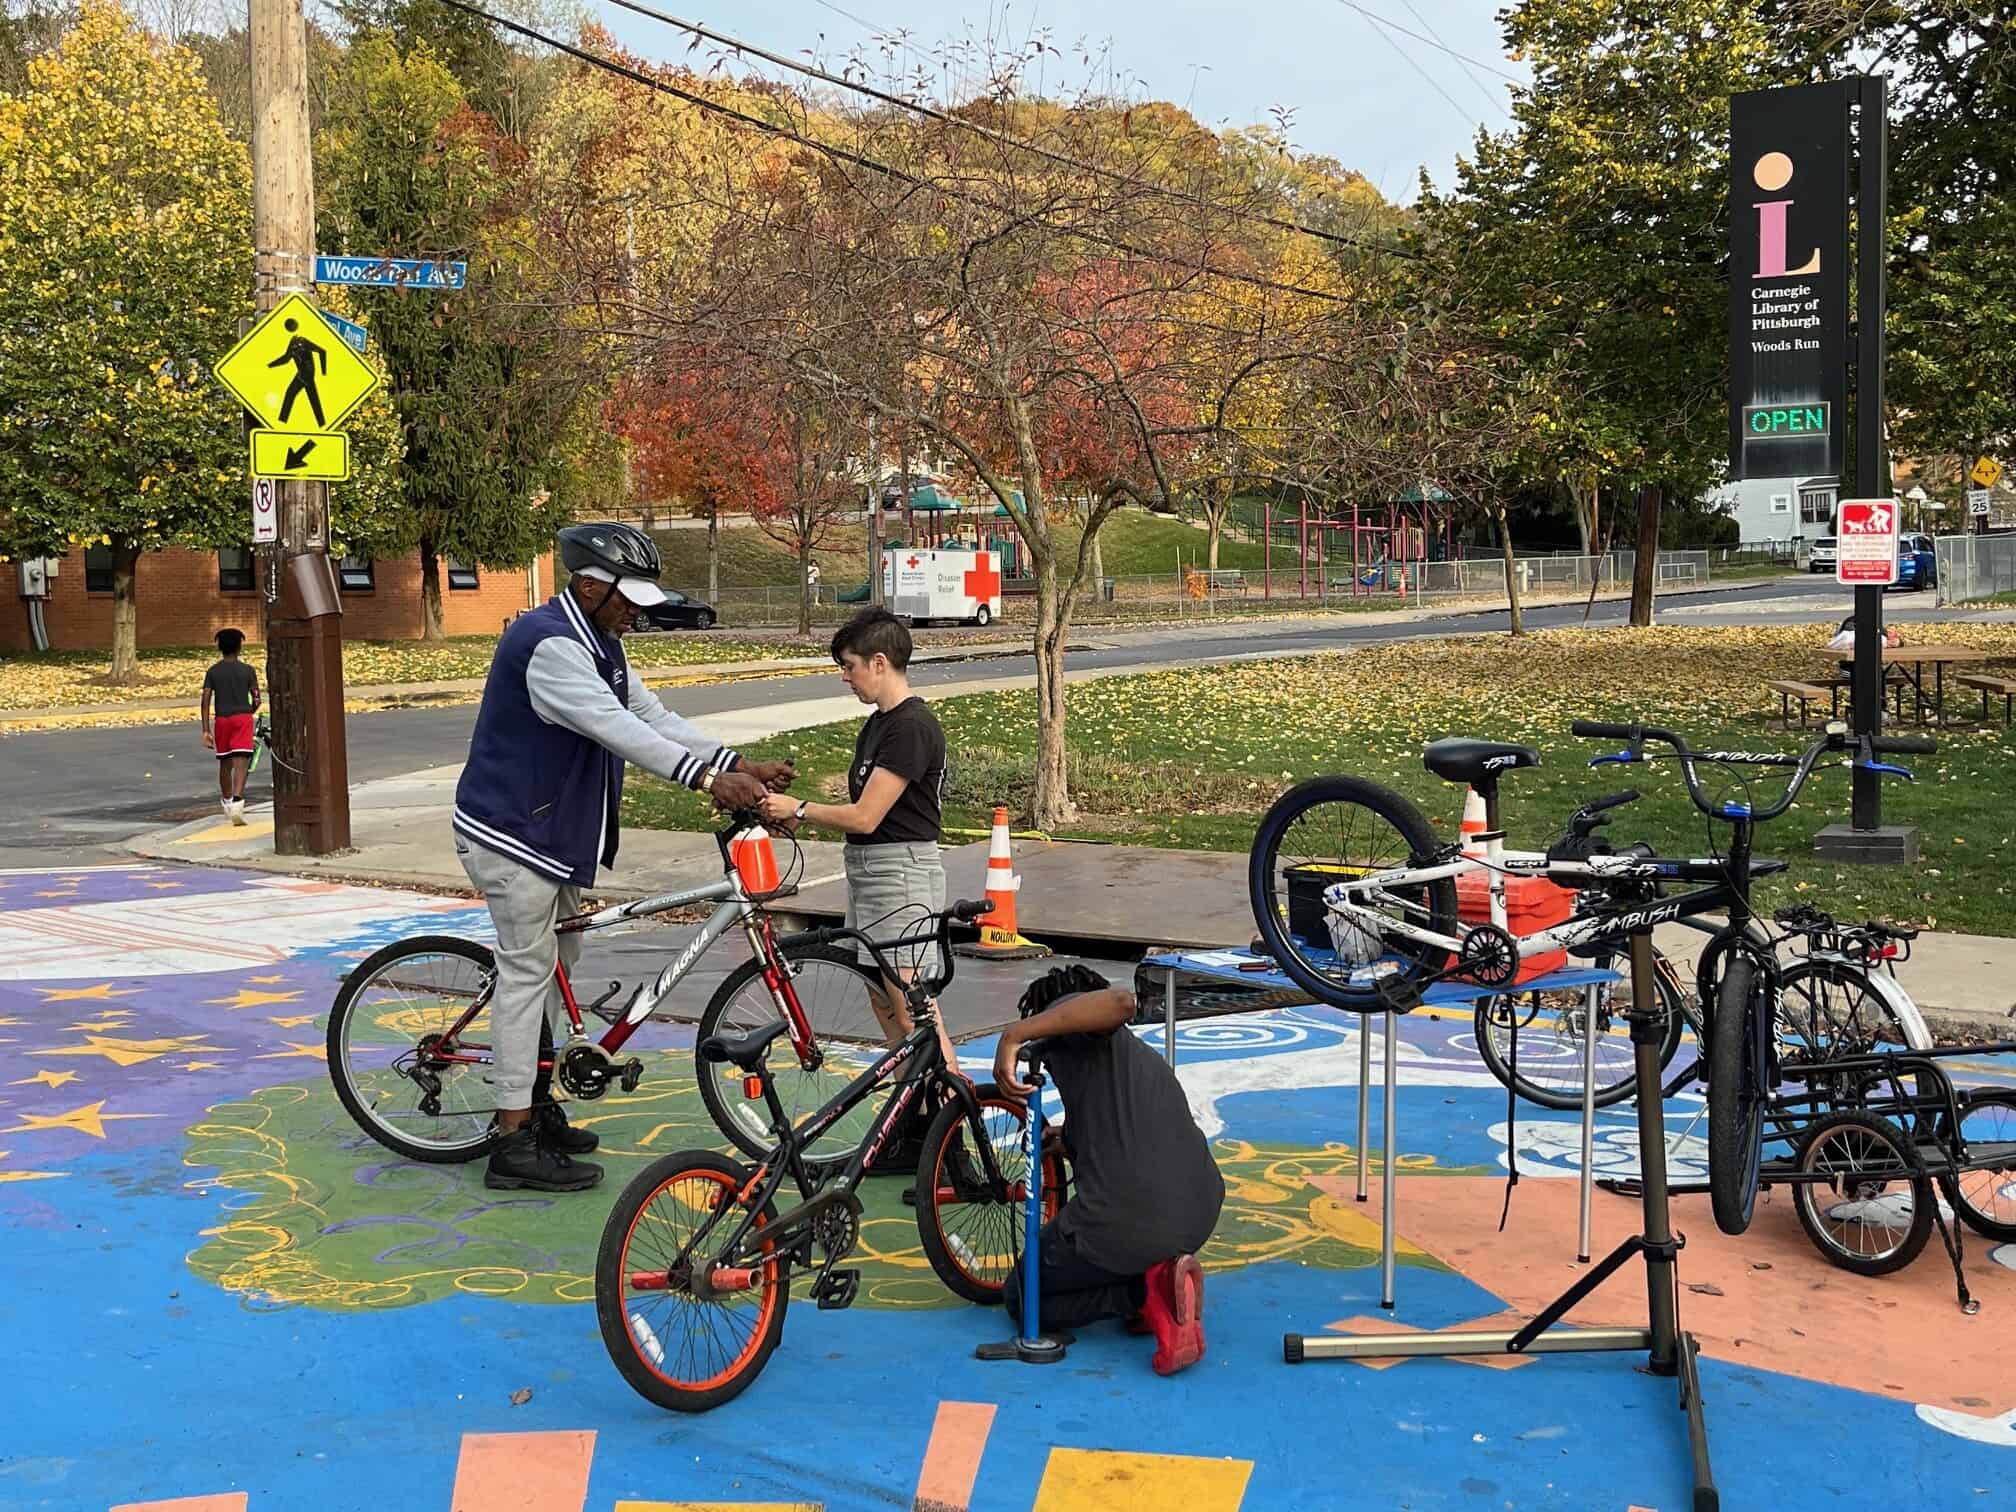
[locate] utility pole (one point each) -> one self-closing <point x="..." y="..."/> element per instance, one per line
<point x="304" y="625"/>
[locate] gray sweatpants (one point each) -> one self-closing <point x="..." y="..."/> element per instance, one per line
<point x="523" y="908"/>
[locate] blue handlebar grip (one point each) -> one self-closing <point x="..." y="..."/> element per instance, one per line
<point x="1891" y="769"/>
<point x="1621" y="758"/>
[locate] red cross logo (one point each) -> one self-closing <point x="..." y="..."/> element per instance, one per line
<point x="982" y="581"/>
<point x="910" y="562"/>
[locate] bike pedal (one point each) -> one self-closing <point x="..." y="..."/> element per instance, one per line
<point x="836" y="1289"/>
<point x="631" y="1074"/>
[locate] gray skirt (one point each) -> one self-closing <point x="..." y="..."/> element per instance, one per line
<point x="893" y="890"/>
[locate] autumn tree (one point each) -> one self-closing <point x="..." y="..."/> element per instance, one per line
<point x="125" y="264"/>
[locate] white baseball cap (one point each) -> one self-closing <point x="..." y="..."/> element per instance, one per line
<point x="640" y="591"/>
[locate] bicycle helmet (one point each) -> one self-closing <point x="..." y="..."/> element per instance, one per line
<point x="617" y="554"/>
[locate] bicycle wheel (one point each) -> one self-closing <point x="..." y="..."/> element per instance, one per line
<point x="676" y="1348"/>
<point x="1985" y="1195"/>
<point x="385" y="1033"/>
<point x="1827" y="1010"/>
<point x="1870" y="1214"/>
<point x="1334" y="829"/>
<point x="1553" y="1027"/>
<point x="833" y="988"/>
<point x="1736" y="1098"/>
<point x="971" y="1223"/>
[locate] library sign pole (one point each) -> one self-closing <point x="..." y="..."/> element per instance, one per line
<point x="1790" y="152"/>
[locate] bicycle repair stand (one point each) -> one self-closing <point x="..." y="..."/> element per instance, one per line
<point x="1673" y="1353"/>
<point x="1031" y="1346"/>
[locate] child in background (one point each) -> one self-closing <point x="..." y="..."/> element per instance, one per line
<point x="231" y="692"/>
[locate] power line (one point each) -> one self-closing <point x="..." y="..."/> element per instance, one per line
<point x="860" y="160"/>
<point x="1000" y="138"/>
<point x="1469" y="70"/>
<point x="1438" y="46"/>
<point x="1433" y="83"/>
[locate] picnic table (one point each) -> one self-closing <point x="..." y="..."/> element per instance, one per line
<point x="1911" y="662"/>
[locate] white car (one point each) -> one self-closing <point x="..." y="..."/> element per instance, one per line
<point x="1820" y="555"/>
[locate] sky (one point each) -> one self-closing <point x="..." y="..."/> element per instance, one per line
<point x="1353" y="90"/>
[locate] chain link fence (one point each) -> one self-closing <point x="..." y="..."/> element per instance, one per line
<point x="1234" y="591"/>
<point x="1975" y="567"/>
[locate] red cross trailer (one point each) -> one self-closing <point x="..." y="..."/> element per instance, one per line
<point x="961" y="587"/>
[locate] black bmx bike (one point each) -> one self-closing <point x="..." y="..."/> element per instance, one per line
<point x="696" y="1263"/>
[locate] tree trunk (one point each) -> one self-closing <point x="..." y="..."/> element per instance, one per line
<point x="1645" y="572"/>
<point x="430" y="593"/>
<point x="1214" y="524"/>
<point x="1511" y="573"/>
<point x="1098" y="554"/>
<point x="805" y="582"/>
<point x="125" y="614"/>
<point x="714" y="551"/>
<point x="875" y="552"/>
<point x="1052" y="806"/>
<point x="1581" y="505"/>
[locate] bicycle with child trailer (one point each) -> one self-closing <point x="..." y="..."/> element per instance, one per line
<point x="409" y="1039"/>
<point x="695" y="1269"/>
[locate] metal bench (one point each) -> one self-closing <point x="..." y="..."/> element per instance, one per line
<point x="1991" y="684"/>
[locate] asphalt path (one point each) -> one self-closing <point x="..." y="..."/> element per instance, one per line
<point x="76" y="790"/>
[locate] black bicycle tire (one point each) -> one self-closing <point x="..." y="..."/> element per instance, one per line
<point x="353" y="1104"/>
<point x="930" y="1230"/>
<point x="1670" y="997"/>
<point x="1804" y="1196"/>
<point x="1399" y="812"/>
<point x="1735" y="1131"/>
<point x="1972" y="1216"/>
<point x="1801" y="971"/>
<point x="711" y="1086"/>
<point x="611" y="1313"/>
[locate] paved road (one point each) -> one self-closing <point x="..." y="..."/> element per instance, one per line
<point x="81" y="788"/>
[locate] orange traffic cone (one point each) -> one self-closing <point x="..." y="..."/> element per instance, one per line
<point x="1000" y="938"/>
<point x="1473" y="822"/>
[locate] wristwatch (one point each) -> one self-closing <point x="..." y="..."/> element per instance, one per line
<point x="799" y="816"/>
<point x="707" y="781"/>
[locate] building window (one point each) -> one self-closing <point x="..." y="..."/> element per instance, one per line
<point x="356" y="574"/>
<point x="1781" y="503"/>
<point x="234" y="570"/>
<point x="1816" y="506"/>
<point x="98" y="569"/>
<point x="460" y="576"/>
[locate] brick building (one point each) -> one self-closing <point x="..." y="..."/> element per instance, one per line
<point x="185" y="597"/>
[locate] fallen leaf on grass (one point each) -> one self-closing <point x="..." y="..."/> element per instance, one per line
<point x="521" y="1396"/>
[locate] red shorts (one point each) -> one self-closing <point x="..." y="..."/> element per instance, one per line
<point x="233" y="734"/>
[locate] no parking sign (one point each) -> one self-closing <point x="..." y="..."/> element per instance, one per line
<point x="265" y="518"/>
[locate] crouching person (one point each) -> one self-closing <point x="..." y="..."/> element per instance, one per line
<point x="1145" y="1191"/>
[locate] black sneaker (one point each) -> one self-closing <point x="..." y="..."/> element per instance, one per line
<point x="521" y="1159"/>
<point x="561" y="1135"/>
<point x="899" y="1157"/>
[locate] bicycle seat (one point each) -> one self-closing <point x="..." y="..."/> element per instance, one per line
<point x="745" y="1050"/>
<point x="1475" y="761"/>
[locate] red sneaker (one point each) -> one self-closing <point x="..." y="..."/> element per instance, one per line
<point x="1175" y="1311"/>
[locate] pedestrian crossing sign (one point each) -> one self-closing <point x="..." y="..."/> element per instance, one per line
<point x="295" y="372"/>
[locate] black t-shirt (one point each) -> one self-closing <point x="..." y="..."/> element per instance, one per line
<point x="909" y="741"/>
<point x="1146" y="1187"/>
<point x="231" y="683"/>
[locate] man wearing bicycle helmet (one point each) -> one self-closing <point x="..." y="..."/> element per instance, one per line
<point x="1145" y="1192"/>
<point x="537" y="809"/>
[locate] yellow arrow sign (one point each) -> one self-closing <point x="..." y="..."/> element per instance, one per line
<point x="294" y="372"/>
<point x="318" y="455"/>
<point x="1987" y="472"/>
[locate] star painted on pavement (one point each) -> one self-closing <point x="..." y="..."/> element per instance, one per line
<point x="245" y="998"/>
<point x="297" y="1051"/>
<point x="295" y="1022"/>
<point x="46" y="1079"/>
<point x="78" y="994"/>
<point x="60" y="892"/>
<point x="27" y="1175"/>
<point x="267" y="981"/>
<point x="100" y="1025"/>
<point x="132" y="1052"/>
<point x="163" y="886"/>
<point x="12" y="1021"/>
<point x="201" y="1065"/>
<point x="90" y="1118"/>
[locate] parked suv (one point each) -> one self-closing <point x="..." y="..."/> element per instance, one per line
<point x="1917" y="562"/>
<point x="1820" y="556"/>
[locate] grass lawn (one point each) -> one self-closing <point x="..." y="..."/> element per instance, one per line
<point x="1191" y="758"/>
<point x="69" y="679"/>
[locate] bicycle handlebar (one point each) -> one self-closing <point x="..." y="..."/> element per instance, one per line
<point x="965" y="911"/>
<point x="1635" y="735"/>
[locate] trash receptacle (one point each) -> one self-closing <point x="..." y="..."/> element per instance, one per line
<point x="1106" y="589"/>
